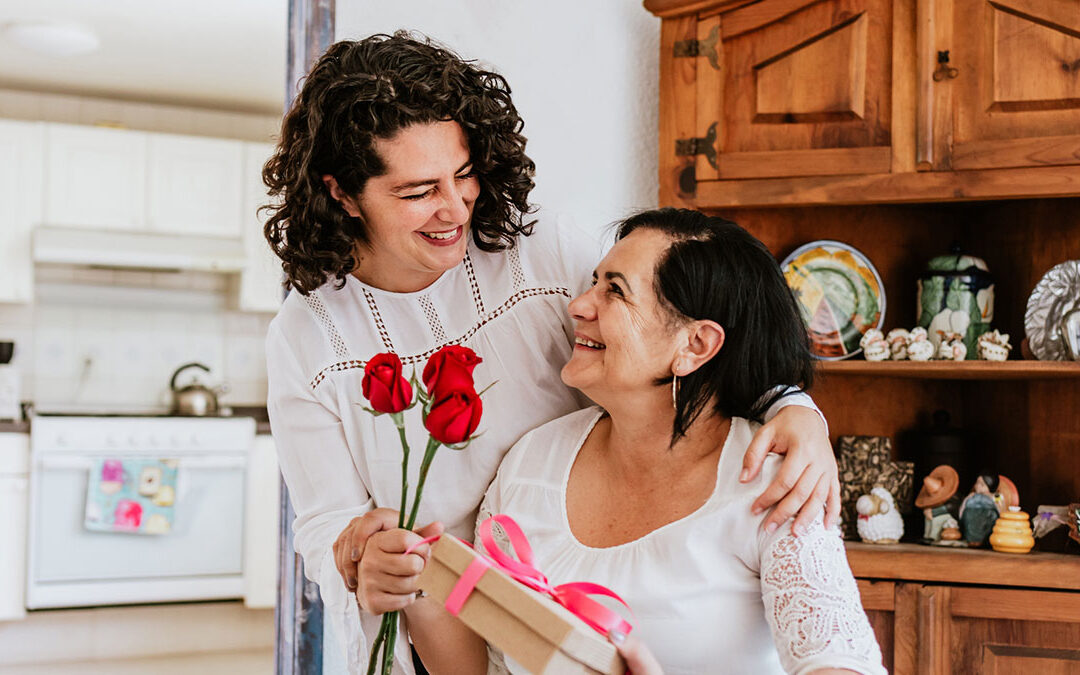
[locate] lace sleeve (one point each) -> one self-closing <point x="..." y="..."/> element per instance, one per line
<point x="813" y="606"/>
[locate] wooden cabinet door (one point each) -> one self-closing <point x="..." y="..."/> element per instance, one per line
<point x="95" y="177"/>
<point x="795" y="88"/>
<point x="1016" y="91"/>
<point x="195" y="185"/>
<point x="21" y="145"/>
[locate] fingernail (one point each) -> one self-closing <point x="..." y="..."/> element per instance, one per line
<point x="757" y="510"/>
<point x="355" y="555"/>
<point x="616" y="636"/>
<point x="352" y="583"/>
<point x="744" y="475"/>
<point x="770" y="528"/>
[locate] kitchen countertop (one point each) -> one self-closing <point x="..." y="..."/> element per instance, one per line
<point x="262" y="420"/>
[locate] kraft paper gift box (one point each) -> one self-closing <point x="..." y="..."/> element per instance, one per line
<point x="527" y="626"/>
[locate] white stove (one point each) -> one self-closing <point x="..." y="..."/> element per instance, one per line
<point x="199" y="557"/>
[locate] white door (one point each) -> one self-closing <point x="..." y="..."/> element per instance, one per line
<point x="196" y="185"/>
<point x="95" y="177"/>
<point x="21" y="146"/>
<point x="260" y="282"/>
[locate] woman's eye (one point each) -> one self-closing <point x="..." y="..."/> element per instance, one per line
<point x="466" y="176"/>
<point x="421" y="195"/>
<point x="614" y="289"/>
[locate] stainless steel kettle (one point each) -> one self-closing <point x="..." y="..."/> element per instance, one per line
<point x="195" y="399"/>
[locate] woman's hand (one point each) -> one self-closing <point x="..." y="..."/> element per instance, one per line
<point x="389" y="578"/>
<point x="639" y="660"/>
<point x="808" y="477"/>
<point x="349" y="546"/>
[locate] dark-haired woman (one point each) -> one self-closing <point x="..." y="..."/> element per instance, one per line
<point x="401" y="187"/>
<point x="687" y="320"/>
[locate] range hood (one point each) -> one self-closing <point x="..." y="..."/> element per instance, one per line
<point x="136" y="250"/>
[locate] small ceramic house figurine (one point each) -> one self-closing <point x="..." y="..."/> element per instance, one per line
<point x="874" y="346"/>
<point x="979" y="510"/>
<point x="937" y="488"/>
<point x="898" y="341"/>
<point x="994" y="346"/>
<point x="879" y="520"/>
<point x="919" y="347"/>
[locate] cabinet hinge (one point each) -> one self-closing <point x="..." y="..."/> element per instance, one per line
<point x="699" y="146"/>
<point x="706" y="48"/>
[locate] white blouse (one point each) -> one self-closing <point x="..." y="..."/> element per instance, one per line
<point x="339" y="462"/>
<point x="708" y="589"/>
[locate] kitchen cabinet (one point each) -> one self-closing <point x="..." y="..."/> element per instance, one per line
<point x="798" y="102"/>
<point x="260" y="282"/>
<point x="261" y="525"/>
<point x="14" y="501"/>
<point x="95" y="177"/>
<point x="195" y="185"/>
<point x="20" y="206"/>
<point x="975" y="156"/>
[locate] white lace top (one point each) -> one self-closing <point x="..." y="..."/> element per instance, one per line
<point x="339" y="462"/>
<point x="711" y="588"/>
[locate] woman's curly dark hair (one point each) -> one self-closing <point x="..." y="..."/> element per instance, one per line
<point x="360" y="91"/>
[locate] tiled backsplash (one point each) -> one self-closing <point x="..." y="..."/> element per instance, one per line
<point x="113" y="338"/>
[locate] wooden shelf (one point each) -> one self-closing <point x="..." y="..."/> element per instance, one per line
<point x="915" y="562"/>
<point x="955" y="370"/>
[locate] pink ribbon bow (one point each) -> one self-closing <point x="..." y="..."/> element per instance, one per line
<point x="572" y="596"/>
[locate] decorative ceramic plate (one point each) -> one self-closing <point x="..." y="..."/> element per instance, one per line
<point x="1054" y="297"/>
<point x="839" y="294"/>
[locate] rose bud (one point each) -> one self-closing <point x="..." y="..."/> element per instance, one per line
<point x="454" y="418"/>
<point x="383" y="386"/>
<point x="449" y="369"/>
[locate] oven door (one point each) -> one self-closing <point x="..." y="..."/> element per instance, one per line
<point x="201" y="557"/>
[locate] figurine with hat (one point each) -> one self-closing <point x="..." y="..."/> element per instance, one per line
<point x="937" y="489"/>
<point x="991" y="496"/>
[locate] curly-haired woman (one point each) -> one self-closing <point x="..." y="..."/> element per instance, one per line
<point x="402" y="222"/>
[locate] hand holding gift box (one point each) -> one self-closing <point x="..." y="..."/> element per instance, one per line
<point x="511" y="604"/>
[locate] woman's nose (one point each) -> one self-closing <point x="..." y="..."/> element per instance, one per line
<point x="454" y="207"/>
<point x="582" y="308"/>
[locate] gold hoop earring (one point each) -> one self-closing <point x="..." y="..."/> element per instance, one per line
<point x="675" y="392"/>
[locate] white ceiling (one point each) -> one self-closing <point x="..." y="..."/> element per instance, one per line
<point x="215" y="53"/>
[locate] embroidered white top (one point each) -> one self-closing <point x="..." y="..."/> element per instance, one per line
<point x="339" y="462"/>
<point x="711" y="588"/>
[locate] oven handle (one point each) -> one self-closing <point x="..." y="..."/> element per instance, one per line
<point x="183" y="464"/>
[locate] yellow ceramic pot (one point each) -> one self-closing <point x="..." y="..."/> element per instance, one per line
<point x="1012" y="532"/>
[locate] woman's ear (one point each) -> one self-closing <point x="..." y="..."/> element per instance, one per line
<point x="348" y="203"/>
<point x="703" y="340"/>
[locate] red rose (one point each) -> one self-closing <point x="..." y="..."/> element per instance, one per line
<point x="383" y="385"/>
<point x="454" y="418"/>
<point x="450" y="369"/>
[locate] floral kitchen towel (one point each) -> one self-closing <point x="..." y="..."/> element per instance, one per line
<point x="136" y="496"/>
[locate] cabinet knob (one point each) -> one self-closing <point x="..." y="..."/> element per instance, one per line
<point x="944" y="70"/>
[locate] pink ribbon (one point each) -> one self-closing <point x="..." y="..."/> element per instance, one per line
<point x="572" y="596"/>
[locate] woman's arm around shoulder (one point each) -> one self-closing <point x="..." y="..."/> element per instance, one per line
<point x="812" y="603"/>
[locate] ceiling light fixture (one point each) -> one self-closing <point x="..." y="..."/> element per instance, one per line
<point x="52" y="39"/>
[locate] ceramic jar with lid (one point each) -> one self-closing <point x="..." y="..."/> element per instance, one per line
<point x="1012" y="532"/>
<point x="956" y="295"/>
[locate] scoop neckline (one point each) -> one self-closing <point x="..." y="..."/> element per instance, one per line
<point x="351" y="279"/>
<point x="693" y="515"/>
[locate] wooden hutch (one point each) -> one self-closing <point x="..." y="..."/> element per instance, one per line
<point x="899" y="126"/>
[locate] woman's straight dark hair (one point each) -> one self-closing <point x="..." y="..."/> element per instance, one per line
<point x="718" y="271"/>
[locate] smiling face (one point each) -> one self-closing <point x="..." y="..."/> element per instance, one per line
<point x="624" y="338"/>
<point x="417" y="213"/>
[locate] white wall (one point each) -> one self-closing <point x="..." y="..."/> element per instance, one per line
<point x="584" y="77"/>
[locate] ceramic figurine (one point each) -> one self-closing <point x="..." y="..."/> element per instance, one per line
<point x="865" y="462"/>
<point x="951" y="347"/>
<point x="956" y="295"/>
<point x="994" y="346"/>
<point x="936" y="490"/>
<point x="991" y="496"/>
<point x="898" y="340"/>
<point x="1012" y="534"/>
<point x="874" y="346"/>
<point x="879" y="520"/>
<point x="919" y="347"/>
